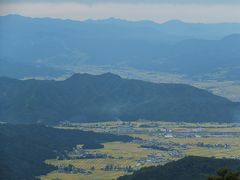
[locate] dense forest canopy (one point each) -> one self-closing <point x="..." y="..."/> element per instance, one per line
<point x="24" y="148"/>
<point x="189" y="168"/>
<point x="88" y="98"/>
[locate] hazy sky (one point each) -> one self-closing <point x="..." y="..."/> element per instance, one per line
<point x="156" y="10"/>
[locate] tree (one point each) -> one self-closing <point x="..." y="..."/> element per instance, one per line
<point x="225" y="174"/>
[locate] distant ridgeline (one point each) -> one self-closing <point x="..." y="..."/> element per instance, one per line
<point x="189" y="168"/>
<point x="50" y="45"/>
<point x="106" y="97"/>
<point x="24" y="148"/>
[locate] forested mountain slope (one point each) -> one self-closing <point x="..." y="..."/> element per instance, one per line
<point x="88" y="98"/>
<point x="24" y="148"/>
<point x="189" y="168"/>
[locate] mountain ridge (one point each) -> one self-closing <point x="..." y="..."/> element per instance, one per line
<point x="172" y="21"/>
<point x="41" y="46"/>
<point x="106" y="97"/>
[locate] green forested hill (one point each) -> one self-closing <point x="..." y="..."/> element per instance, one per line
<point x="24" y="148"/>
<point x="189" y="168"/>
<point x="85" y="97"/>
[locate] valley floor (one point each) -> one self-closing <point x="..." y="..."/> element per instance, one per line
<point x="156" y="143"/>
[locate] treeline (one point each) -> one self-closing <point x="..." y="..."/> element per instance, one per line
<point x="189" y="168"/>
<point x="24" y="148"/>
<point x="225" y="174"/>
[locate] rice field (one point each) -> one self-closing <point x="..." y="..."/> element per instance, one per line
<point x="128" y="154"/>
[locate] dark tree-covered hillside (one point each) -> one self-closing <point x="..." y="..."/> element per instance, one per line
<point x="88" y="98"/>
<point x="189" y="168"/>
<point x="225" y="174"/>
<point x="24" y="148"/>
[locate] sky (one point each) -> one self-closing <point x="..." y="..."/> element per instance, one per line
<point x="208" y="11"/>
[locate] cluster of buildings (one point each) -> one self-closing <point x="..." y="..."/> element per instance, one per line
<point x="80" y="153"/>
<point x="111" y="167"/>
<point x="176" y="154"/>
<point x="219" y="146"/>
<point x="168" y="149"/>
<point x="186" y="133"/>
<point x="70" y="169"/>
<point x="152" y="158"/>
<point x="234" y="157"/>
<point x="163" y="146"/>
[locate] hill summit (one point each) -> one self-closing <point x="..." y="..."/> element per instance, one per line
<point x="105" y="97"/>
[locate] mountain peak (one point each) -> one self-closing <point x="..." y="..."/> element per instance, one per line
<point x="107" y="21"/>
<point x="174" y="22"/>
<point x="110" y="75"/>
<point x="86" y="75"/>
<point x="105" y="97"/>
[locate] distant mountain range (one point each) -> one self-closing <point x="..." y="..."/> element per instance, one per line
<point x="106" y="97"/>
<point x="52" y="45"/>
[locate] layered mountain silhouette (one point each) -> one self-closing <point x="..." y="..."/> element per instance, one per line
<point x="106" y="97"/>
<point x="46" y="44"/>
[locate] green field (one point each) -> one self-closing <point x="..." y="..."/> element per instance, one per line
<point x="128" y="154"/>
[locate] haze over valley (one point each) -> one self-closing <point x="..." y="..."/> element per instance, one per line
<point x="120" y="90"/>
<point x="203" y="55"/>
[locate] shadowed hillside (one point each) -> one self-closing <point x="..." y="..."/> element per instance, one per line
<point x="189" y="168"/>
<point x="88" y="98"/>
<point x="24" y="148"/>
